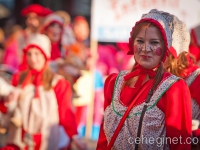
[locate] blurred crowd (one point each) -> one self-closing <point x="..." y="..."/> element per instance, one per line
<point x="65" y="48"/>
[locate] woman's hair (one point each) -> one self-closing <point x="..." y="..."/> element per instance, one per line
<point x="160" y="69"/>
<point x="47" y="78"/>
<point x="179" y="65"/>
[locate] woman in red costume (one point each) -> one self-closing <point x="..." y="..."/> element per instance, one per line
<point x="194" y="48"/>
<point x="147" y="108"/>
<point x="44" y="111"/>
<point x="185" y="67"/>
<point x="53" y="28"/>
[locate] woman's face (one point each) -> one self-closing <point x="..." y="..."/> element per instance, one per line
<point x="54" y="32"/>
<point x="148" y="47"/>
<point x="35" y="59"/>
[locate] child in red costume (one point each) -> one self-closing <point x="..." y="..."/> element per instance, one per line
<point x="44" y="113"/>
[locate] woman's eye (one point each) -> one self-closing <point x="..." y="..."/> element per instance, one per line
<point x="154" y="42"/>
<point x="140" y="41"/>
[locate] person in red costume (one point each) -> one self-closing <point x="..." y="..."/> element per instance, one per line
<point x="53" y="28"/>
<point x="185" y="67"/>
<point x="34" y="15"/>
<point x="194" y="48"/>
<point x="44" y="111"/>
<point x="183" y="64"/>
<point x="147" y="107"/>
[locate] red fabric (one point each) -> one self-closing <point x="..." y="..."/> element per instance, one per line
<point x="195" y="51"/>
<point x="36" y="8"/>
<point x="196" y="133"/>
<point x="63" y="94"/>
<point x="36" y="138"/>
<point x="175" y="104"/>
<point x="155" y="22"/>
<point x="128" y="94"/>
<point x="193" y="36"/>
<point x="194" y="89"/>
<point x="15" y="79"/>
<point x="10" y="147"/>
<point x="66" y="115"/>
<point x="121" y="123"/>
<point x="3" y="108"/>
<point x="173" y="52"/>
<point x="141" y="73"/>
<point x="36" y="77"/>
<point x="38" y="48"/>
<point x="55" y="51"/>
<point x="81" y="115"/>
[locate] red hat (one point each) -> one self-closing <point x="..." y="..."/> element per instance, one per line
<point x="41" y="42"/>
<point x="36" y="8"/>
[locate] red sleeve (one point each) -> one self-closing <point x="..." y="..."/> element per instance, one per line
<point x="194" y="89"/>
<point x="108" y="92"/>
<point x="66" y="115"/>
<point x="108" y="89"/>
<point x="176" y="104"/>
<point x="195" y="51"/>
<point x="15" y="79"/>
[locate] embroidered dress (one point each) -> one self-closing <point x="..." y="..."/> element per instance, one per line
<point x="48" y="121"/>
<point x="161" y="120"/>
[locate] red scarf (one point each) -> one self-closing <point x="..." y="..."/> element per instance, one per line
<point x="141" y="72"/>
<point x="34" y="77"/>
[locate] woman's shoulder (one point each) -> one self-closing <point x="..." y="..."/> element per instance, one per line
<point x="110" y="80"/>
<point x="111" y="77"/>
<point x="176" y="82"/>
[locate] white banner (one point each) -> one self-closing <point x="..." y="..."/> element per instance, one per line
<point x="112" y="20"/>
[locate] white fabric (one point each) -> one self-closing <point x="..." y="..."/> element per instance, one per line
<point x="41" y="41"/>
<point x="5" y="88"/>
<point x="180" y="36"/>
<point x="40" y="116"/>
<point x="176" y="31"/>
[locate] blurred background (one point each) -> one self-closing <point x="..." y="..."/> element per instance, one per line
<point x="93" y="45"/>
